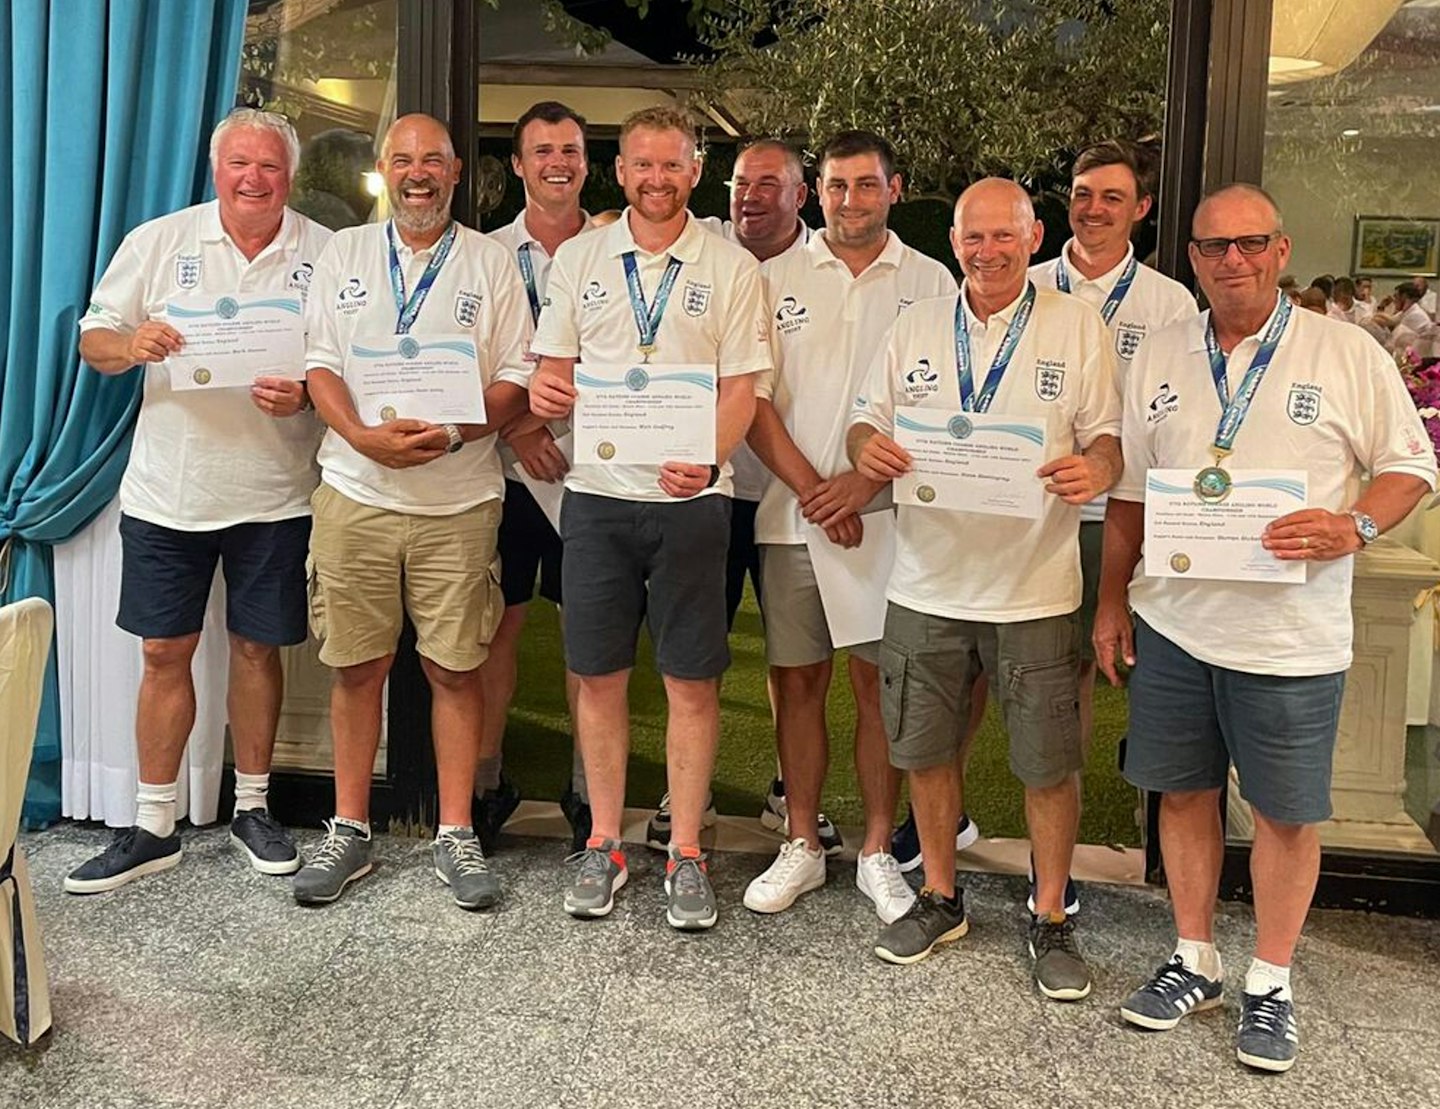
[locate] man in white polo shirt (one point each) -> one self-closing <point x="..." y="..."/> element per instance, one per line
<point x="549" y="157"/>
<point x="998" y="593"/>
<point x="221" y="475"/>
<point x="407" y="510"/>
<point x="1249" y="673"/>
<point x="830" y="308"/>
<point x="644" y="541"/>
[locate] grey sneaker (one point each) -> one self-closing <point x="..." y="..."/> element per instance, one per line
<point x="460" y="864"/>
<point x="1060" y="969"/>
<point x="1269" y="1038"/>
<point x="929" y="921"/>
<point x="691" y="904"/>
<point x="601" y="870"/>
<point x="341" y="857"/>
<point x="265" y="840"/>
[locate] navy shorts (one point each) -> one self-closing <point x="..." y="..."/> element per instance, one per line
<point x="742" y="557"/>
<point x="1190" y="720"/>
<point x="528" y="546"/>
<point x="165" y="579"/>
<point x="661" y="562"/>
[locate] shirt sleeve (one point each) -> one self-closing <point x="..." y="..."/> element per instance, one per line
<point x="118" y="302"/>
<point x="1135" y="451"/>
<point x="875" y="403"/>
<point x="765" y="380"/>
<point x="322" y="327"/>
<point x="558" y="333"/>
<point x="1098" y="412"/>
<point x="510" y="328"/>
<point x="745" y="330"/>
<point x="1388" y="437"/>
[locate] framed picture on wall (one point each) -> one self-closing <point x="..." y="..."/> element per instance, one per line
<point x="1395" y="246"/>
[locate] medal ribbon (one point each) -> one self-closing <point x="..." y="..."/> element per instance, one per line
<point x="647" y="317"/>
<point x="407" y="308"/>
<point x="970" y="402"/>
<point x="1234" y="411"/>
<point x="1117" y="294"/>
<point x="527" y="271"/>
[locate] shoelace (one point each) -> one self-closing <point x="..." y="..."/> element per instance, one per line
<point x="466" y="852"/>
<point x="270" y="828"/>
<point x="122" y="844"/>
<point x="331" y="849"/>
<point x="890" y="876"/>
<point x="792" y="854"/>
<point x="687" y="879"/>
<point x="1173" y="977"/>
<point x="925" y="906"/>
<point x="1267" y="1011"/>
<point x="594" y="866"/>
<point x="1057" y="936"/>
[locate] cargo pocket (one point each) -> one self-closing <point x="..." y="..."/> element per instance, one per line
<point x="1044" y="720"/>
<point x="314" y="599"/>
<point x="893" y="667"/>
<point x="494" y="602"/>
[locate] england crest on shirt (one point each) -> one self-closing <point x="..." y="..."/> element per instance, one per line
<point x="696" y="299"/>
<point x="1303" y="405"/>
<point x="467" y="308"/>
<point x="1127" y="339"/>
<point x="187" y="270"/>
<point x="1049" y="379"/>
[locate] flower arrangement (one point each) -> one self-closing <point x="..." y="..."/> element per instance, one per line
<point x="1422" y="379"/>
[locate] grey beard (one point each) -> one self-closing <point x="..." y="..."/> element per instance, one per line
<point x="407" y="219"/>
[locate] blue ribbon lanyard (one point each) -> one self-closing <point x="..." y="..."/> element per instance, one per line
<point x="1234" y="410"/>
<point x="969" y="401"/>
<point x="1117" y="294"/>
<point x="647" y="317"/>
<point x="407" y="308"/>
<point x="527" y="272"/>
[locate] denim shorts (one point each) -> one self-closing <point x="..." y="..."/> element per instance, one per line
<point x="1190" y="720"/>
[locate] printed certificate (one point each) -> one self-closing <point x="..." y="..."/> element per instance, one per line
<point x="415" y="377"/>
<point x="231" y="340"/>
<point x="645" y="413"/>
<point x="1190" y="537"/>
<point x="971" y="461"/>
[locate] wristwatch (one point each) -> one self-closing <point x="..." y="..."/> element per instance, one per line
<point x="456" y="442"/>
<point x="714" y="476"/>
<point x="1365" y="527"/>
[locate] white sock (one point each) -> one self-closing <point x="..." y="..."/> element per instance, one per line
<point x="1262" y="977"/>
<point x="1200" y="958"/>
<point x="251" y="791"/>
<point x="462" y="830"/>
<point x="360" y="826"/>
<point x="155" y="807"/>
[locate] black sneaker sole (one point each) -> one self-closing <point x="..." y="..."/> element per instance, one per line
<point x="311" y="899"/>
<point x="267" y="866"/>
<point x="115" y="881"/>
<point x="902" y="960"/>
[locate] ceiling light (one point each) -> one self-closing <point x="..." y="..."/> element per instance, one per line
<point x="1315" y="38"/>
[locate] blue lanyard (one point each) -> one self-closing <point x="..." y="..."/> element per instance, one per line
<point x="1117" y="294"/>
<point x="527" y="271"/>
<point x="969" y="402"/>
<point x="407" y="308"/>
<point x="647" y="317"/>
<point x="1233" y="411"/>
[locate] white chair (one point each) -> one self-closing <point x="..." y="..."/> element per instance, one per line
<point x="25" y="630"/>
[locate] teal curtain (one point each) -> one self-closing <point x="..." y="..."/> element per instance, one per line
<point x="107" y="112"/>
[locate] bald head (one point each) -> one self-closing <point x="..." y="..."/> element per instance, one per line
<point x="1240" y="200"/>
<point x="417" y="160"/>
<point x="994" y="234"/>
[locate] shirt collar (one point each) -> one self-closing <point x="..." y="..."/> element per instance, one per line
<point x="522" y="229"/>
<point x="822" y="255"/>
<point x="1197" y="337"/>
<point x="684" y="249"/>
<point x="213" y="231"/>
<point x="402" y="248"/>
<point x="1004" y="315"/>
<point x="1107" y="281"/>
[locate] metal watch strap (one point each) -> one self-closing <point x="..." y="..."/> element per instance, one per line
<point x="456" y="440"/>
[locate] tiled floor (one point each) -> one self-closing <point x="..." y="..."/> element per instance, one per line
<point x="208" y="986"/>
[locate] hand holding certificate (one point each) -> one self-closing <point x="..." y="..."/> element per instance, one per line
<point x="1197" y="527"/>
<point x="645" y="413"/>
<point x="971" y="461"/>
<point x="231" y="340"/>
<point x="435" y="378"/>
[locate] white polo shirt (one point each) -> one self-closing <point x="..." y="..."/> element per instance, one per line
<point x="973" y="566"/>
<point x="1154" y="301"/>
<point x="1413" y="323"/>
<point x="201" y="461"/>
<point x="748" y="474"/>
<point x="826" y="327"/>
<point x="1331" y="404"/>
<point x="478" y="293"/>
<point x="714" y="316"/>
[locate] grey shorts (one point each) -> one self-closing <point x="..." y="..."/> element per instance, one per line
<point x="660" y="562"/>
<point x="796" y="633"/>
<point x="928" y="667"/>
<point x="1189" y="721"/>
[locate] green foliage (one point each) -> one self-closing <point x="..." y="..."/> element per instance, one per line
<point x="963" y="88"/>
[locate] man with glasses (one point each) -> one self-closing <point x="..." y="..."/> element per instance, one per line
<point x="1248" y="672"/>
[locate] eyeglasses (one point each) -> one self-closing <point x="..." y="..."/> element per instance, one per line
<point x="1247" y="244"/>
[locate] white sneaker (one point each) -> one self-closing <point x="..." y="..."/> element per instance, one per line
<point x="878" y="877"/>
<point x="796" y="870"/>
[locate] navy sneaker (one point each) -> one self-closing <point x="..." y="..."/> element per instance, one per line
<point x="775" y="816"/>
<point x="905" y="840"/>
<point x="577" y="814"/>
<point x="657" y="829"/>
<point x="1072" y="895"/>
<point x="265" y="841"/>
<point x="133" y="853"/>
<point x="1172" y="994"/>
<point x="1268" y="1038"/>
<point x="491" y="809"/>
